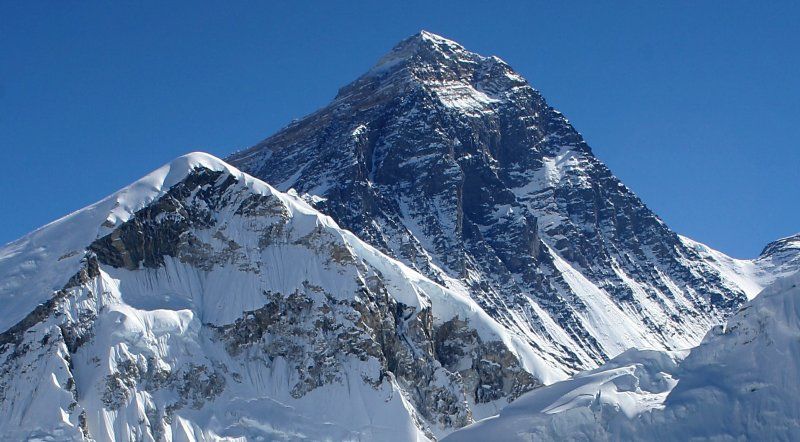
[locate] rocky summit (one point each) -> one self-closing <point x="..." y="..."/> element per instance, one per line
<point x="452" y="163"/>
<point x="433" y="245"/>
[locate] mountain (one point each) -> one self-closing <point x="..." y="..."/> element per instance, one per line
<point x="439" y="243"/>
<point x="740" y="383"/>
<point x="200" y="303"/>
<point x="452" y="163"/>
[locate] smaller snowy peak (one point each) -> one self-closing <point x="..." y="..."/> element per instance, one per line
<point x="790" y="244"/>
<point x="779" y="259"/>
<point x="37" y="264"/>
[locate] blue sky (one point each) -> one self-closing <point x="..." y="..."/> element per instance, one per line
<point x="694" y="105"/>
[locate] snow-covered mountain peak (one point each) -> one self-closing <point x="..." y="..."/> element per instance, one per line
<point x="428" y="41"/>
<point x="42" y="261"/>
<point x="423" y="45"/>
<point x="789" y="244"/>
<point x="199" y="303"/>
<point x="437" y="39"/>
<point x="457" y="78"/>
<point x="452" y="163"/>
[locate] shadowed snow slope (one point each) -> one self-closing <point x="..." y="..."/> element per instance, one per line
<point x="200" y="303"/>
<point x="740" y="383"/>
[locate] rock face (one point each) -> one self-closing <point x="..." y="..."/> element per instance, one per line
<point x="210" y="305"/>
<point x="452" y="163"/>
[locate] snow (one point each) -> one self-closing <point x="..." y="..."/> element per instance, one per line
<point x="439" y="40"/>
<point x="463" y="97"/>
<point x="163" y="315"/>
<point x="34" y="266"/>
<point x="739" y="383"/>
<point x="614" y="329"/>
<point x="259" y="405"/>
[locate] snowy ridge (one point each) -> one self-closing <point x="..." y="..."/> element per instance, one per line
<point x="741" y="382"/>
<point x="42" y="261"/>
<point x="204" y="304"/>
<point x="779" y="259"/>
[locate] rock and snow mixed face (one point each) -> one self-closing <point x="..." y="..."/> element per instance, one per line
<point x="452" y="163"/>
<point x="200" y="303"/>
<point x="739" y="384"/>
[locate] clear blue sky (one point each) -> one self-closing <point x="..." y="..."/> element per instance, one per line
<point x="695" y="105"/>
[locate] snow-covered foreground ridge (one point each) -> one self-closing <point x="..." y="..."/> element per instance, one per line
<point x="200" y="303"/>
<point x="741" y="383"/>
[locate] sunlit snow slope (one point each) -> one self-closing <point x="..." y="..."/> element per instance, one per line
<point x="200" y="303"/>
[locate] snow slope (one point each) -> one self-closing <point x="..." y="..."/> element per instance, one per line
<point x="201" y="304"/>
<point x="740" y="383"/>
